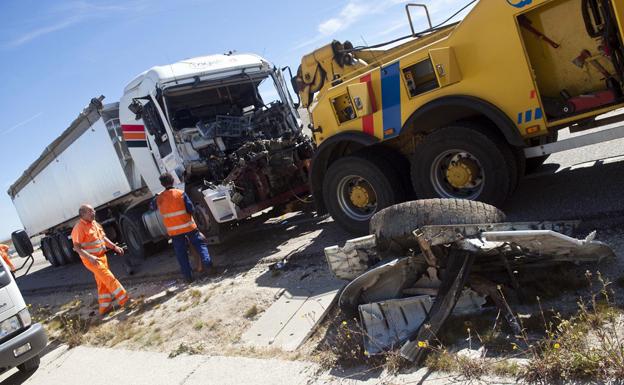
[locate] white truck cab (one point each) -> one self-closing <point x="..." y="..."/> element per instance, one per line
<point x="21" y="340"/>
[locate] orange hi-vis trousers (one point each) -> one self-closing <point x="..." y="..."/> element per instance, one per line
<point x="108" y="287"/>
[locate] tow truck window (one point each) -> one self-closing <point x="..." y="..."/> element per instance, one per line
<point x="5" y="278"/>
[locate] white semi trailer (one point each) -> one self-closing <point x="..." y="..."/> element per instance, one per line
<point x="223" y="125"/>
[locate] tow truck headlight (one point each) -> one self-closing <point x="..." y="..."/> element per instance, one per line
<point x="9" y="326"/>
<point x="24" y="316"/>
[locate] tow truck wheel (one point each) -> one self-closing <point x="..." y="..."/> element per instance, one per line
<point x="355" y="188"/>
<point x="46" y="249"/>
<point x="463" y="163"/>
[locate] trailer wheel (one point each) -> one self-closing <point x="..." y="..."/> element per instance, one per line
<point x="57" y="251"/>
<point x="206" y="223"/>
<point x="396" y="223"/>
<point x="46" y="249"/>
<point x="67" y="247"/>
<point x="22" y="244"/>
<point x="133" y="237"/>
<point x="461" y="162"/>
<point x="355" y="188"/>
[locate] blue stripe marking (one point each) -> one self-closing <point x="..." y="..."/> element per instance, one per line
<point x="391" y="99"/>
<point x="528" y="116"/>
<point x="519" y="117"/>
<point x="136" y="143"/>
<point x="538" y="113"/>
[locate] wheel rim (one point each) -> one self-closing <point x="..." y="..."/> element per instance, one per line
<point x="457" y="174"/>
<point x="66" y="246"/>
<point x="356" y="197"/>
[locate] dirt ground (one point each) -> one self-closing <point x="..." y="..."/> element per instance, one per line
<point x="210" y="315"/>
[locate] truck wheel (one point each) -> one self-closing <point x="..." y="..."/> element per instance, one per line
<point x="532" y="164"/>
<point x="29" y="366"/>
<point x="396" y="223"/>
<point x="67" y="248"/>
<point x="461" y="162"/>
<point x="355" y="188"/>
<point x="206" y="223"/>
<point x="46" y="249"/>
<point x="133" y="237"/>
<point x="57" y="251"/>
<point x="22" y="244"/>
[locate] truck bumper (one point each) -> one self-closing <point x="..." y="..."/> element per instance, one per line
<point x="34" y="335"/>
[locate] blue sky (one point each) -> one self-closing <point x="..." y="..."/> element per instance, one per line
<point x="57" y="55"/>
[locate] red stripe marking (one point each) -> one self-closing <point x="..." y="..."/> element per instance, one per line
<point x="132" y="127"/>
<point x="368" y="123"/>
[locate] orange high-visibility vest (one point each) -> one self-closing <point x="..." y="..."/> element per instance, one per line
<point x="173" y="210"/>
<point x="4" y="252"/>
<point x="90" y="237"/>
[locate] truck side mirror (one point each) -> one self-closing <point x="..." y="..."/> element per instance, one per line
<point x="136" y="108"/>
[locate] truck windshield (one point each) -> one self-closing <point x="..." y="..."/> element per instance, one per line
<point x="5" y="277"/>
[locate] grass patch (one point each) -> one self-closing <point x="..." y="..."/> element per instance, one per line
<point x="187" y="349"/>
<point x="251" y="312"/>
<point x="198" y="325"/>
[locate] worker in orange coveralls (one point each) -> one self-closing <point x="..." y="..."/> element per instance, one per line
<point x="4" y="252"/>
<point x="90" y="243"/>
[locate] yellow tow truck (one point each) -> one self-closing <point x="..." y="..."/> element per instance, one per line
<point x="460" y="110"/>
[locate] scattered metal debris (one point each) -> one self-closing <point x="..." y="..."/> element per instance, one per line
<point x="397" y="297"/>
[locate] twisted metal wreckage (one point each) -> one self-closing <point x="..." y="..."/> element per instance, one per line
<point x="396" y="298"/>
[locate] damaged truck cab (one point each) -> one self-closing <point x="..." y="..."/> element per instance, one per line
<point x="225" y="127"/>
<point x="460" y="110"/>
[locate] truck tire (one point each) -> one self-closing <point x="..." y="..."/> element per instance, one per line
<point x="29" y="366"/>
<point x="133" y="236"/>
<point x="22" y="244"/>
<point x="46" y="249"/>
<point x="461" y="162"/>
<point x="355" y="188"/>
<point x="67" y="248"/>
<point x="532" y="164"/>
<point x="396" y="223"/>
<point x="206" y="222"/>
<point x="57" y="251"/>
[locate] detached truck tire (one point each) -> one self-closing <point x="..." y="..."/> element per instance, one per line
<point x="396" y="223"/>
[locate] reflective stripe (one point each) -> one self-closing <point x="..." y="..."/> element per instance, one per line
<point x="101" y="296"/>
<point x="105" y="304"/>
<point x="121" y="298"/>
<point x="95" y="250"/>
<point x="92" y="243"/>
<point x="117" y="291"/>
<point x="178" y="227"/>
<point x="174" y="214"/>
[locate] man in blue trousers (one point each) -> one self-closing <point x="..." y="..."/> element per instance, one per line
<point x="176" y="209"/>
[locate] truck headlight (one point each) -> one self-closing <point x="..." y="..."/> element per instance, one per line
<point x="9" y="326"/>
<point x="24" y="316"/>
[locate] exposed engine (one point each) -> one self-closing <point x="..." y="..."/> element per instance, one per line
<point x="259" y="154"/>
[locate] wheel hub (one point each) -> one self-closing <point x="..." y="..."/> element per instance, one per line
<point x="360" y="196"/>
<point x="462" y="173"/>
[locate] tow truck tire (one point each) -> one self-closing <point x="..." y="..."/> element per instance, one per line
<point x="67" y="247"/>
<point x="57" y="251"/>
<point x="22" y="244"/>
<point x="133" y="236"/>
<point x="396" y="223"/>
<point x="352" y="184"/>
<point x="486" y="170"/>
<point x="46" y="249"/>
<point x="29" y="366"/>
